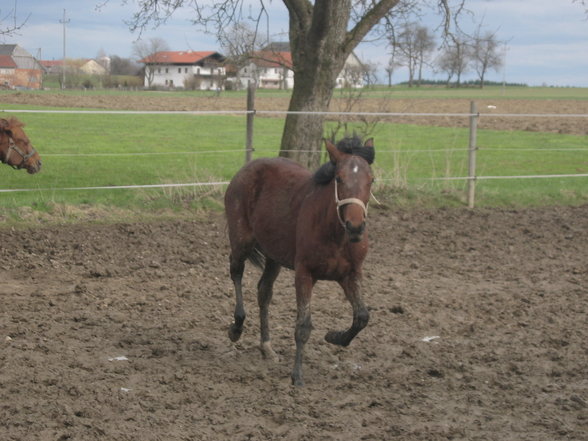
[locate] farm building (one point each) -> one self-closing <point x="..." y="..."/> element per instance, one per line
<point x="19" y="69"/>
<point x="268" y="69"/>
<point x="188" y="69"/>
<point x="271" y="68"/>
<point x="84" y="66"/>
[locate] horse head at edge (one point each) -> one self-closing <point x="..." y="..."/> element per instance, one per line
<point x="16" y="149"/>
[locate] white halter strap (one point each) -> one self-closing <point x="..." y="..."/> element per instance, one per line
<point x="342" y="202"/>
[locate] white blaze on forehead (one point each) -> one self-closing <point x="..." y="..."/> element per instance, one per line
<point x="355" y="168"/>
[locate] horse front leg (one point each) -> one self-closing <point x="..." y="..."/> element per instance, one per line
<point x="361" y="316"/>
<point x="304" y="284"/>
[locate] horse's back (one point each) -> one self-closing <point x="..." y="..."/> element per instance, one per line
<point x="262" y="203"/>
<point x="262" y="178"/>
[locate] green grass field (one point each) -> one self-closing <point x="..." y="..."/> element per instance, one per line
<point x="89" y="150"/>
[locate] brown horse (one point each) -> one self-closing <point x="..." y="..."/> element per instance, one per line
<point x="279" y="214"/>
<point x="15" y="148"/>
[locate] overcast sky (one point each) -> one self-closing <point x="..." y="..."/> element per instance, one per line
<point x="547" y="39"/>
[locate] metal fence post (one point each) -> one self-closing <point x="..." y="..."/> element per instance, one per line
<point x="250" y="117"/>
<point x="474" y="116"/>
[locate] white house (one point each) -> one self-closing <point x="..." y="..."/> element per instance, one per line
<point x="353" y="73"/>
<point x="185" y="69"/>
<point x="271" y="68"/>
<point x="268" y="70"/>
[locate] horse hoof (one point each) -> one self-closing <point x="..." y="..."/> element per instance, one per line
<point x="336" y="338"/>
<point x="235" y="332"/>
<point x="268" y="353"/>
<point x="297" y="381"/>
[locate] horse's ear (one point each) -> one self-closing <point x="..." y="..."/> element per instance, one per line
<point x="334" y="153"/>
<point x="4" y="124"/>
<point x="371" y="151"/>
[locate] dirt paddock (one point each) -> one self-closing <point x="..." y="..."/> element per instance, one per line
<point x="478" y="331"/>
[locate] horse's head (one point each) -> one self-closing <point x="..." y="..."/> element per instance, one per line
<point x="353" y="183"/>
<point x="15" y="148"/>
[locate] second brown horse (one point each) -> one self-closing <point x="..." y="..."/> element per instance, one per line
<point x="15" y="148"/>
<point x="280" y="214"/>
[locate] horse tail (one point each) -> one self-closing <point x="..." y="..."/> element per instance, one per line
<point x="257" y="258"/>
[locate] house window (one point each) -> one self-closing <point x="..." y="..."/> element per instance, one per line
<point x="185" y="70"/>
<point x="159" y="70"/>
<point x="179" y="70"/>
<point x="198" y="71"/>
<point x="166" y="70"/>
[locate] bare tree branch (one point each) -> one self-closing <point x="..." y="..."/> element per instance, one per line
<point x="10" y="24"/>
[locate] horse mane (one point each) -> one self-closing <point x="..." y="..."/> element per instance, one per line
<point x="352" y="145"/>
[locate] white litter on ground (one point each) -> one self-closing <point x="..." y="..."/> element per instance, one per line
<point x="430" y="339"/>
<point x="120" y="358"/>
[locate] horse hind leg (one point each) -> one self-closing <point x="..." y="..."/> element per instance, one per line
<point x="264" y="297"/>
<point x="237" y="266"/>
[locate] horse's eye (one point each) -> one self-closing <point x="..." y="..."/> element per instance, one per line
<point x="338" y="179"/>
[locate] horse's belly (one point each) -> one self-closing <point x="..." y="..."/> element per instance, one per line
<point x="276" y="240"/>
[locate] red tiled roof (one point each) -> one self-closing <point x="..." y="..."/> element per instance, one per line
<point x="51" y="63"/>
<point x="7" y="61"/>
<point x="273" y="59"/>
<point x="182" y="57"/>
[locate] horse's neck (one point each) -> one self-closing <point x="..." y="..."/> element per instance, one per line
<point x="325" y="199"/>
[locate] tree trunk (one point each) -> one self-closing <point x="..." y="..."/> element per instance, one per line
<point x="320" y="43"/>
<point x="319" y="52"/>
<point x="301" y="139"/>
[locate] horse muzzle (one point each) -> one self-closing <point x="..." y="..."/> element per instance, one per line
<point x="33" y="167"/>
<point x="355" y="233"/>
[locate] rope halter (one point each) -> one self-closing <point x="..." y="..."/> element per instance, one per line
<point x="13" y="147"/>
<point x="347" y="201"/>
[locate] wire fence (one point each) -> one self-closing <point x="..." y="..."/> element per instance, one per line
<point x="471" y="177"/>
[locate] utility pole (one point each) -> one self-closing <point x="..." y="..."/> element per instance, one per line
<point x="63" y="66"/>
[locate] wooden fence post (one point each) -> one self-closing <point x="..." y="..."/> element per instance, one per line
<point x="474" y="116"/>
<point x="250" y="116"/>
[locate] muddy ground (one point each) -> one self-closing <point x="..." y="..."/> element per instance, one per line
<point x="167" y="101"/>
<point x="478" y="331"/>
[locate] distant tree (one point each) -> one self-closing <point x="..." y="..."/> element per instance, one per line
<point x="390" y="68"/>
<point x="485" y="54"/>
<point x="9" y="21"/>
<point x="425" y="45"/>
<point x="414" y="45"/>
<point x="369" y="73"/>
<point x="146" y="52"/>
<point x="455" y="58"/>
<point x="406" y="49"/>
<point x="123" y="66"/>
